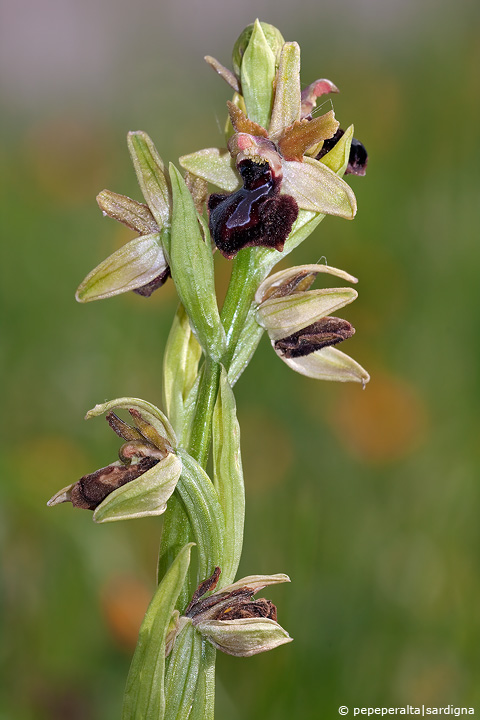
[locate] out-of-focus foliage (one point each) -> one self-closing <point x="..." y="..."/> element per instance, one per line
<point x="370" y="499"/>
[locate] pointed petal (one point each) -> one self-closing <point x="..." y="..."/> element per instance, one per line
<point x="224" y="72"/>
<point x="62" y="496"/>
<point x="285" y="315"/>
<point x="244" y="637"/>
<point x="147" y="495"/>
<point x="149" y="412"/>
<point x="256" y="582"/>
<point x="214" y="165"/>
<point x="131" y="213"/>
<point x="313" y="91"/>
<point x="293" y="274"/>
<point x="328" y="364"/>
<point x="315" y="187"/>
<point x="242" y="124"/>
<point x="132" y="266"/>
<point x="286" y="107"/>
<point x="305" y="134"/>
<point x="151" y="176"/>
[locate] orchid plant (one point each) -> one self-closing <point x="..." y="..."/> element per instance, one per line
<point x="280" y="174"/>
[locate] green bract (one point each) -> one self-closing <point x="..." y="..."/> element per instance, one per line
<point x="131" y="267"/>
<point x="145" y="695"/>
<point x="191" y="265"/>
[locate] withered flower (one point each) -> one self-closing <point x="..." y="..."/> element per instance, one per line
<point x="231" y="619"/>
<point x="300" y="326"/>
<point x="144" y="477"/>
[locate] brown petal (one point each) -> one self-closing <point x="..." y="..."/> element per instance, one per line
<point x="327" y="331"/>
<point x="305" y="133"/>
<point x="242" y="124"/>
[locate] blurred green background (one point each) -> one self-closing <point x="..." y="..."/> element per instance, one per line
<point x="368" y="500"/>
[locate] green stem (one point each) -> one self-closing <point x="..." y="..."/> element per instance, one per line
<point x="243" y="283"/>
<point x="201" y="433"/>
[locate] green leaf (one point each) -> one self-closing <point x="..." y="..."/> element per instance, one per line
<point x="191" y="265"/>
<point x="149" y="412"/>
<point x="214" y="165"/>
<point x="287" y="104"/>
<point x="204" y="513"/>
<point x="180" y="366"/>
<point x="147" y="495"/>
<point x="144" y="694"/>
<point x="128" y="268"/>
<point x="257" y="75"/>
<point x="151" y="176"/>
<point x="182" y="674"/>
<point x="228" y="477"/>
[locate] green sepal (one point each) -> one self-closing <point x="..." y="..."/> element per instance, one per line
<point x="328" y="364"/>
<point x="215" y="165"/>
<point x="244" y="637"/>
<point x="286" y="315"/>
<point x="151" y="176"/>
<point x="180" y="367"/>
<point x="181" y="677"/>
<point x="144" y="697"/>
<point x="287" y="104"/>
<point x="337" y="158"/>
<point x="149" y="412"/>
<point x="191" y="265"/>
<point x="257" y="75"/>
<point x="146" y="495"/>
<point x="317" y="188"/>
<point x="204" y="513"/>
<point x="130" y="267"/>
<point x="228" y="477"/>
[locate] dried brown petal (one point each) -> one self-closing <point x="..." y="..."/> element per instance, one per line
<point x="92" y="489"/>
<point x="327" y="331"/>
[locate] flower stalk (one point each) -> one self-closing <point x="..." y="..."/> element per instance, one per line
<point x="280" y="175"/>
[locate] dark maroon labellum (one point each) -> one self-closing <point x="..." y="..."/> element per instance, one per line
<point x="327" y="331"/>
<point x="357" y="159"/>
<point x="256" y="214"/>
